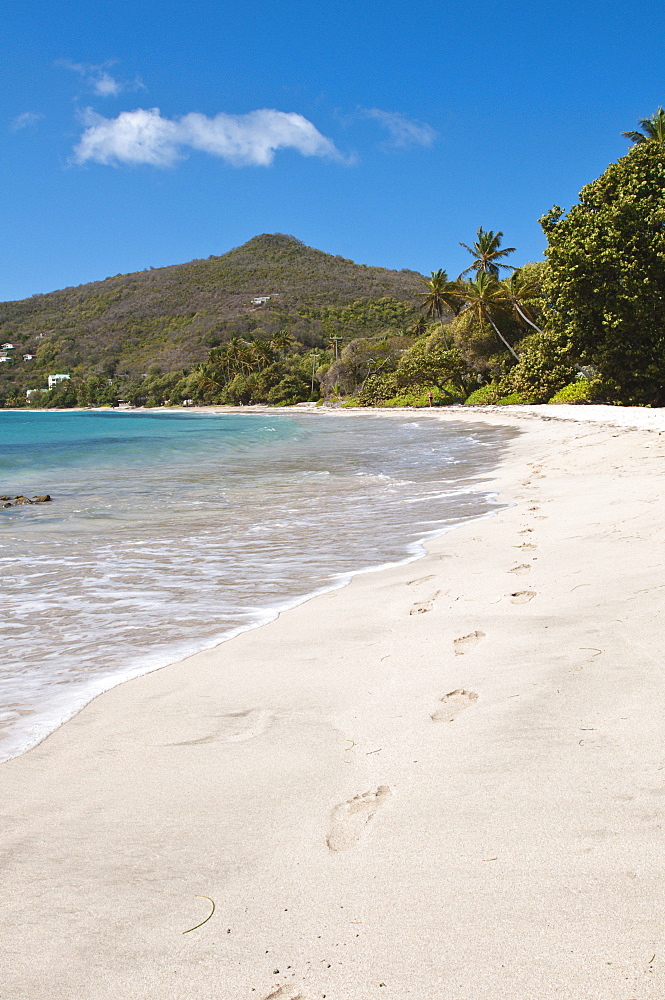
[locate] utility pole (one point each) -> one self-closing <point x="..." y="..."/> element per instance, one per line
<point x="314" y="356"/>
<point x="335" y="341"/>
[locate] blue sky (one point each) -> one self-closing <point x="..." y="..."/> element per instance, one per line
<point x="382" y="131"/>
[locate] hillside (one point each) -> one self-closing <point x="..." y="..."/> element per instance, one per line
<point x="170" y="317"/>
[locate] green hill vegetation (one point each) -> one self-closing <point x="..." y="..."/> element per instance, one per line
<point x="586" y="324"/>
<point x="164" y="321"/>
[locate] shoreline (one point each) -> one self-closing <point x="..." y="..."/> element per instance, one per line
<point x="66" y="704"/>
<point x="634" y="417"/>
<point x="440" y="779"/>
<point x="270" y="614"/>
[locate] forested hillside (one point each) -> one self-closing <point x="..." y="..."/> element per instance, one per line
<point x="169" y="318"/>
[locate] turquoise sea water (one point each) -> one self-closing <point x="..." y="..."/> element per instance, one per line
<point x="169" y="532"/>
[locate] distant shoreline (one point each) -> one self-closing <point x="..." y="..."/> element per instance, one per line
<point x="636" y="417"/>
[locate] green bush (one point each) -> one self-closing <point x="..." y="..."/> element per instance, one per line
<point x="294" y="388"/>
<point x="425" y="367"/>
<point x="486" y="395"/>
<point x="582" y="390"/>
<point x="378" y="389"/>
<point x="544" y="367"/>
<point x="419" y="397"/>
<point x="514" y="399"/>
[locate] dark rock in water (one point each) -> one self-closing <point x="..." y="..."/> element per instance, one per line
<point x="6" y="501"/>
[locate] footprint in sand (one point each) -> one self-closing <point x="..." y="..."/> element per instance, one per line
<point x="240" y="726"/>
<point x="522" y="568"/>
<point x="522" y="596"/>
<point x="452" y="704"/>
<point x="465" y="642"/>
<point x="525" y="531"/>
<point x="420" y="607"/>
<point x="286" y="993"/>
<point x="421" y="579"/>
<point x="350" y="818"/>
<point x="234" y="727"/>
<point x="527" y="546"/>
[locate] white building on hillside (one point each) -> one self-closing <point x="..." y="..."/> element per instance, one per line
<point x="7" y="347"/>
<point x="261" y="300"/>
<point x="53" y="380"/>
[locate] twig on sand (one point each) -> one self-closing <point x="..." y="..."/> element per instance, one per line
<point x="199" y="896"/>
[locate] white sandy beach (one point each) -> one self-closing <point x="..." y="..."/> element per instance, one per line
<point x="445" y="781"/>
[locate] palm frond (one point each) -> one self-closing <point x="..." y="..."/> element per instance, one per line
<point x="653" y="129"/>
<point x="634" y="136"/>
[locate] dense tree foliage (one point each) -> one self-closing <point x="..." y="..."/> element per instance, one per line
<point x="427" y="369"/>
<point x="543" y="368"/>
<point x="605" y="283"/>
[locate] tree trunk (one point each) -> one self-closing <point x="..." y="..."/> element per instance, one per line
<point x="501" y="336"/>
<point x="527" y="320"/>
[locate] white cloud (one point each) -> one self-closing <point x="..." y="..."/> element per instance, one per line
<point x="403" y="131"/>
<point x="133" y="137"/>
<point x="99" y="80"/>
<point x="105" y="85"/>
<point x="144" y="136"/>
<point x="25" y="120"/>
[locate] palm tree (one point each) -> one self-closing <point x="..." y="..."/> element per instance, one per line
<point x="441" y="296"/>
<point x="207" y="378"/>
<point x="240" y="355"/>
<point x="418" y="329"/>
<point x="653" y="129"/>
<point x="483" y="296"/>
<point x="281" y="341"/>
<point x="260" y="352"/>
<point x="486" y="253"/>
<point x="520" y="290"/>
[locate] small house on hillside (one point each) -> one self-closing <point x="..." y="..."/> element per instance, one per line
<point x="7" y="347"/>
<point x="28" y="357"/>
<point x="261" y="300"/>
<point x="53" y="380"/>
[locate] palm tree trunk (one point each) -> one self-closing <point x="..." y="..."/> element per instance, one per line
<point x="500" y="335"/>
<point x="527" y="320"/>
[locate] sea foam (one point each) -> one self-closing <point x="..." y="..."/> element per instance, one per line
<point x="171" y="532"/>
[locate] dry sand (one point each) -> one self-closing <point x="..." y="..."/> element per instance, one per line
<point x="445" y="781"/>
